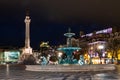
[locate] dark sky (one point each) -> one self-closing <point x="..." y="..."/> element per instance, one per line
<point x="50" y="19"/>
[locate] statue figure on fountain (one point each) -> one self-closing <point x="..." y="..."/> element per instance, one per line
<point x="44" y="61"/>
<point x="81" y="60"/>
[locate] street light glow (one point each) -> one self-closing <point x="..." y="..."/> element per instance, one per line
<point x="60" y="54"/>
<point x="101" y="47"/>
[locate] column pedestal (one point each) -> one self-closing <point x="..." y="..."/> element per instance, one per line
<point x="27" y="57"/>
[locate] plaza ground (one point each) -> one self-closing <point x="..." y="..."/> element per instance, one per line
<point x="19" y="73"/>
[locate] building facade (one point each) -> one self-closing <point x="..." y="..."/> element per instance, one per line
<point x="97" y="46"/>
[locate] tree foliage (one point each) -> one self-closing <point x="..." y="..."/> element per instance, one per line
<point x="113" y="46"/>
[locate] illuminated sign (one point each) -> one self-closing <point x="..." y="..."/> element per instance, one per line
<point x="11" y="56"/>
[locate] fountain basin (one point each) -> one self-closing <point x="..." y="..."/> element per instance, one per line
<point x="70" y="68"/>
<point x="68" y="50"/>
<point x="69" y="55"/>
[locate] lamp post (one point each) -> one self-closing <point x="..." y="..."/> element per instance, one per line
<point x="100" y="48"/>
<point x="59" y="57"/>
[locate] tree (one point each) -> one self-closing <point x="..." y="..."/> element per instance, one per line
<point x="44" y="48"/>
<point x="81" y="33"/>
<point x="113" y="46"/>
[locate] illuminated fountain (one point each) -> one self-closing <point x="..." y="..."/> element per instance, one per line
<point x="68" y="50"/>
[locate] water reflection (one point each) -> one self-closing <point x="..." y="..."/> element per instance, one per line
<point x="7" y="70"/>
<point x="105" y="76"/>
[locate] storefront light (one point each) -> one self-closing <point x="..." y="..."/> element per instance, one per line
<point x="101" y="47"/>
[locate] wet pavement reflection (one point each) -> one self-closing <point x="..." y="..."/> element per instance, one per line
<point x="18" y="73"/>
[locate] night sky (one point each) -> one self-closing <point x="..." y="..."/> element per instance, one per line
<point x="50" y="19"/>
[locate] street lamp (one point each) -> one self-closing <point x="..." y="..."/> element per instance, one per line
<point x="100" y="48"/>
<point x="60" y="54"/>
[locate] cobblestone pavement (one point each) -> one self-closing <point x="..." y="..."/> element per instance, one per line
<point x="20" y="74"/>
